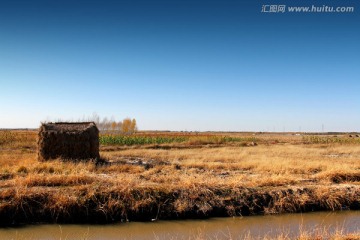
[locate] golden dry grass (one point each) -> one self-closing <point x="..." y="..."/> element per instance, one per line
<point x="282" y="173"/>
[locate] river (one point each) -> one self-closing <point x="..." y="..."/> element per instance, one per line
<point x="215" y="228"/>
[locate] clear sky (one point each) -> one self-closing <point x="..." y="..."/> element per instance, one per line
<point x="181" y="64"/>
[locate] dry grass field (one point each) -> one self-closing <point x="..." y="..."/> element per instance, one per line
<point x="200" y="175"/>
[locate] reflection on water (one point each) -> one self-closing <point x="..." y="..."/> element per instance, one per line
<point x="216" y="228"/>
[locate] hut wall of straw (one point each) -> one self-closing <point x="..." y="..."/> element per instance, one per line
<point x="72" y="141"/>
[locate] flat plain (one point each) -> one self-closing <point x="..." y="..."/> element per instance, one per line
<point x="179" y="175"/>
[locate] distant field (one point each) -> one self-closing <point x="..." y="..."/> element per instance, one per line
<point x="108" y="139"/>
<point x="166" y="175"/>
<point x="143" y="138"/>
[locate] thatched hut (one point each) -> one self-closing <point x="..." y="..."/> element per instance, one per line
<point x="65" y="140"/>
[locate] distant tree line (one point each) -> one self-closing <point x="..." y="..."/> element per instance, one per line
<point x="110" y="125"/>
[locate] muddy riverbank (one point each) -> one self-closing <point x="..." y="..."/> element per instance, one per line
<point x="90" y="205"/>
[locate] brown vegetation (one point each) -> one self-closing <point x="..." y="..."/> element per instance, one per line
<point x="281" y="173"/>
<point x="68" y="141"/>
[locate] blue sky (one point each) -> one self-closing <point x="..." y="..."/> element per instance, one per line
<point x="181" y="65"/>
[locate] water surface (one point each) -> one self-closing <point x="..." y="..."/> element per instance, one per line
<point x="216" y="228"/>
